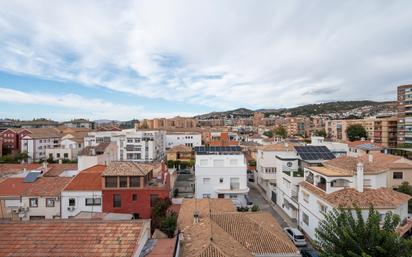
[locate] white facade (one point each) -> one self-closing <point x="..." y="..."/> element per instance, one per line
<point x="40" y="207"/>
<point x="221" y="176"/>
<point x="109" y="155"/>
<point x="133" y="145"/>
<point x="266" y="168"/>
<point x="68" y="150"/>
<point x="36" y="147"/>
<point x="183" y="138"/>
<point x="74" y="202"/>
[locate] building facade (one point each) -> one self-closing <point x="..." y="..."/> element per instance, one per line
<point x="190" y="139"/>
<point x="404" y="106"/>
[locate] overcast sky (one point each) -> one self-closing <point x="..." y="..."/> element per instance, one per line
<point x="136" y="59"/>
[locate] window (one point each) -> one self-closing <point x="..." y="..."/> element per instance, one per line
<point x="305" y="218"/>
<point x="221" y="180"/>
<point x="305" y="197"/>
<point x="398" y="175"/>
<point x="111" y="181"/>
<point x="134" y="181"/>
<point x="134" y="197"/>
<point x="93" y="201"/>
<point x="153" y="199"/>
<point x="66" y="155"/>
<point x="123" y="181"/>
<point x="58" y="155"/>
<point x="206" y="180"/>
<point x="33" y="202"/>
<point x="117" y="201"/>
<point x="234" y="183"/>
<point x="49" y="202"/>
<point x="72" y="202"/>
<point x="323" y="208"/>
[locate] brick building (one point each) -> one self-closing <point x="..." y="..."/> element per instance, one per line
<point x="130" y="187"/>
<point x="10" y="139"/>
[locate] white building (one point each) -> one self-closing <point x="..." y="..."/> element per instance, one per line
<point x="133" y="145"/>
<point x="84" y="193"/>
<point x="221" y="174"/>
<point x="191" y="139"/>
<point x="328" y="187"/>
<point x="101" y="154"/>
<point x="41" y="139"/>
<point x="69" y="148"/>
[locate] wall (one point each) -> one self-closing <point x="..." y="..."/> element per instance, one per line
<point x="80" y="202"/>
<point x="42" y="210"/>
<point x="189" y="139"/>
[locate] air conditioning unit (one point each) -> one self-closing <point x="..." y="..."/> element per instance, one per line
<point x="70" y="208"/>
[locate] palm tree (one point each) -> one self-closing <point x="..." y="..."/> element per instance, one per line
<point x="345" y="233"/>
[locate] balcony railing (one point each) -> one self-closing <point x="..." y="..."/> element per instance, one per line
<point x="321" y="186"/>
<point x="298" y="173"/>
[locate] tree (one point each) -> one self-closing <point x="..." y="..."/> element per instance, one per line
<point x="406" y="189"/>
<point x="268" y="133"/>
<point x="320" y="133"/>
<point x="159" y="211"/>
<point x="345" y="233"/>
<point x="281" y="131"/>
<point x="255" y="208"/>
<point x="168" y="224"/>
<point x="356" y="132"/>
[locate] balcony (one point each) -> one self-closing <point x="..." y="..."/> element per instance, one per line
<point x="322" y="186"/>
<point x="294" y="173"/>
<point x="295" y="195"/>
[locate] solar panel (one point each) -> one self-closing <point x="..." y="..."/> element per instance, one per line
<point x="313" y="153"/>
<point x="31" y="177"/>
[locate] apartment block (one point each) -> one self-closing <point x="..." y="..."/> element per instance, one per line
<point x="404" y="106"/>
<point x="190" y="139"/>
<point x="163" y="123"/>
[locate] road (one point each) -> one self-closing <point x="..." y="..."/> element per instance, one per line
<point x="255" y="197"/>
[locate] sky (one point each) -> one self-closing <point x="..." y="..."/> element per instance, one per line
<point x="141" y="59"/>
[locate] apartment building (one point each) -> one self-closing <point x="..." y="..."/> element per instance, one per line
<point x="221" y="172"/>
<point x="298" y="126"/>
<point x="258" y="119"/>
<point x="404" y="107"/>
<point x="101" y="154"/>
<point x="11" y="139"/>
<point x="133" y="188"/>
<point x="133" y="145"/>
<point x="190" y="139"/>
<point x="221" y="138"/>
<point x="163" y="123"/>
<point x="38" y="141"/>
<point x="83" y="193"/>
<point x="385" y="131"/>
<point x="79" y="123"/>
<point x="328" y="187"/>
<point x="70" y="146"/>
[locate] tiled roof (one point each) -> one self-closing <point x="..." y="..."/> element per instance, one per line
<point x="223" y="232"/>
<point x="8" y="169"/>
<point x="87" y="180"/>
<point x="55" y="169"/>
<point x="43" y="186"/>
<point x="348" y="197"/>
<point x="99" y="149"/>
<point x="278" y="147"/>
<point x="163" y="248"/>
<point x="13" y="187"/>
<point x="180" y="148"/>
<point x="367" y="145"/>
<point x="71" y="238"/>
<point x="124" y="168"/>
<point x="380" y="163"/>
<point x="39" y="133"/>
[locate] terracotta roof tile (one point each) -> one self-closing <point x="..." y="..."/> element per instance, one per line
<point x="55" y="169"/>
<point x="124" y="168"/>
<point x="278" y="147"/>
<point x="380" y="198"/>
<point x="87" y="180"/>
<point x="43" y="186"/>
<point x="70" y="238"/>
<point x="180" y="148"/>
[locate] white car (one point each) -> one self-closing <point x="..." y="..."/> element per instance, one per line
<point x="296" y="236"/>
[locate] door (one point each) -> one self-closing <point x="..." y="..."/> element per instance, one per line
<point x="221" y="196"/>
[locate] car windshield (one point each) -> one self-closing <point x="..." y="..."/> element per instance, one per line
<point x="299" y="237"/>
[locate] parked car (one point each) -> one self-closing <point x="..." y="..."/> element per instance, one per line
<point x="309" y="253"/>
<point x="296" y="236"/>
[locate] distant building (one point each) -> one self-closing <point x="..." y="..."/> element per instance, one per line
<point x="79" y="123"/>
<point x="37" y="123"/>
<point x="70" y="146"/>
<point x="163" y="123"/>
<point x="258" y="119"/>
<point x="11" y="139"/>
<point x="40" y="139"/>
<point x="190" y="139"/>
<point x="223" y="138"/>
<point x="180" y="153"/>
<point x="404" y="114"/>
<point x="221" y="173"/>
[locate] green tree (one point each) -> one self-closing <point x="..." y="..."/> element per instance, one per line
<point x="268" y="133"/>
<point x="406" y="189"/>
<point x="356" y="132"/>
<point x="159" y="211"/>
<point x="281" y="131"/>
<point x="170" y="163"/>
<point x="345" y="233"/>
<point x="320" y="133"/>
<point x="168" y="224"/>
<point x="255" y="208"/>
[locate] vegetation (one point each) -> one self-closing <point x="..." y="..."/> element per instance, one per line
<point x="406" y="189"/>
<point x="356" y="132"/>
<point x="252" y="163"/>
<point x="281" y="131"/>
<point x="180" y="164"/>
<point x="14" y="158"/>
<point x="405" y="145"/>
<point x="175" y="192"/>
<point x="268" y="133"/>
<point x="168" y="224"/>
<point x="255" y="208"/>
<point x="320" y="133"/>
<point x="345" y="233"/>
<point x="163" y="220"/>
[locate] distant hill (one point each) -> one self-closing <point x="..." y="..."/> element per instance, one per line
<point x="364" y="107"/>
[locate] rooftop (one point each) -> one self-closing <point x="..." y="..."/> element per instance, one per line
<point x="124" y="168"/>
<point x="39" y="133"/>
<point x="87" y="180"/>
<point x="221" y="231"/>
<point x="279" y="147"/>
<point x="180" y="148"/>
<point x="94" y="150"/>
<point x="380" y="198"/>
<point x="43" y="186"/>
<point x="71" y="238"/>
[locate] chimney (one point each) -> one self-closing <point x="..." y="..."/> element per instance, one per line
<point x="196" y="217"/>
<point x="359" y="176"/>
<point x="45" y="165"/>
<point x="370" y="157"/>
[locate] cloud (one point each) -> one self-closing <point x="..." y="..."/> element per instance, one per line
<point x="220" y="54"/>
